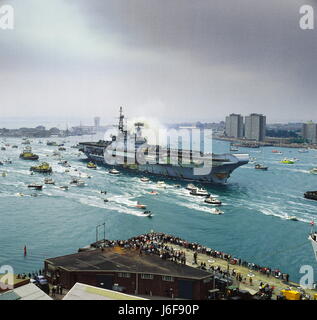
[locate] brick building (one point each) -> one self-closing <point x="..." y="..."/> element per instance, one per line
<point x="128" y="271"/>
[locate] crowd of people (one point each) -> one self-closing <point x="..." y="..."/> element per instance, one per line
<point x="159" y="243"/>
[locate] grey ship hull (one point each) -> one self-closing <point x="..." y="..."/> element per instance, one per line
<point x="219" y="174"/>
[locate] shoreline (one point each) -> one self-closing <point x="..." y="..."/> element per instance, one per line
<point x="267" y="144"/>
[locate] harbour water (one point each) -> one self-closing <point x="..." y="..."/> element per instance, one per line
<point x="254" y="225"/>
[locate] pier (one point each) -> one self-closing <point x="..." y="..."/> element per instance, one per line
<point x="245" y="276"/>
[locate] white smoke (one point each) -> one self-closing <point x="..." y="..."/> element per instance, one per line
<point x="153" y="130"/>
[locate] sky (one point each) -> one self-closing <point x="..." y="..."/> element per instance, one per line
<point x="170" y="60"/>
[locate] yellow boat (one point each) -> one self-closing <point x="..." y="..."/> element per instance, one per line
<point x="91" y="165"/>
<point x="42" y="168"/>
<point x="287" y="161"/>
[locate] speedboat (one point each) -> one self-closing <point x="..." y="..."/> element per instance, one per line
<point x="35" y="186"/>
<point x="213" y="201"/>
<point x="200" y="192"/>
<point x="114" y="171"/>
<point x="78" y="182"/>
<point x="145" y="179"/>
<point x="287" y="161"/>
<point x="64" y="163"/>
<point x="313" y="171"/>
<point x="140" y="206"/>
<point x="191" y="187"/>
<point x="91" y="165"/>
<point x="147" y="213"/>
<point x="260" y="167"/>
<point x="216" y="211"/>
<point x="161" y="184"/>
<point x="293" y="218"/>
<point x="49" y="181"/>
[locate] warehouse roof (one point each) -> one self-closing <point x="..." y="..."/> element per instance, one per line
<point x="125" y="260"/>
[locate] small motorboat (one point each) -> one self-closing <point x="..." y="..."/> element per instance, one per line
<point x="4" y="174"/>
<point x="78" y="182"/>
<point x="234" y="149"/>
<point x="303" y="151"/>
<point x="114" y="171"/>
<point x="287" y="161"/>
<point x="64" y="163"/>
<point x="191" y="187"/>
<point x="161" y="184"/>
<point x="49" y="181"/>
<point x="35" y="186"/>
<point x="293" y="218"/>
<point x="216" y="211"/>
<point x="103" y="192"/>
<point x="148" y="213"/>
<point x="19" y="194"/>
<point x="61" y="149"/>
<point x="199" y="192"/>
<point x="64" y="188"/>
<point x="260" y="167"/>
<point x="145" y="179"/>
<point x="213" y="201"/>
<point x="105" y="200"/>
<point x="177" y="186"/>
<point x="312" y="195"/>
<point x="140" y="206"/>
<point x="313" y="171"/>
<point x="153" y="192"/>
<point x="91" y="165"/>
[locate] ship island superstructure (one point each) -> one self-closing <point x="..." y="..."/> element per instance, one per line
<point x="131" y="151"/>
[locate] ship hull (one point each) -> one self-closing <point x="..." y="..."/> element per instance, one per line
<point x="217" y="175"/>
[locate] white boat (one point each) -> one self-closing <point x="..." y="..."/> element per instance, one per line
<point x="191" y="187"/>
<point x="293" y="218"/>
<point x="145" y="179"/>
<point x="64" y="163"/>
<point x="49" y="181"/>
<point x="313" y="171"/>
<point x="313" y="239"/>
<point x="199" y="192"/>
<point x="78" y="182"/>
<point x="213" y="201"/>
<point x="147" y="214"/>
<point x="161" y="184"/>
<point x="114" y="171"/>
<point x="303" y="151"/>
<point x="64" y="187"/>
<point x="216" y="211"/>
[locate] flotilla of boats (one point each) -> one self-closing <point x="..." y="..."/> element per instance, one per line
<point x="45" y="167"/>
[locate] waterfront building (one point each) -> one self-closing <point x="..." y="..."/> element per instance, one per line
<point x="234" y="126"/>
<point x="255" y="127"/>
<point x="97" y="123"/>
<point x="309" y="132"/>
<point x="133" y="272"/>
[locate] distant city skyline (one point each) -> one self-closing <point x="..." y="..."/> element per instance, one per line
<point x="173" y="61"/>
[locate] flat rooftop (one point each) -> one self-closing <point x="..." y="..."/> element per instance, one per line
<point x="118" y="259"/>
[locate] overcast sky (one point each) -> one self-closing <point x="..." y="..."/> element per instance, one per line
<point x="174" y="60"/>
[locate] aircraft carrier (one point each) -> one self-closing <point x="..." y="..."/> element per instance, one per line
<point x="131" y="151"/>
